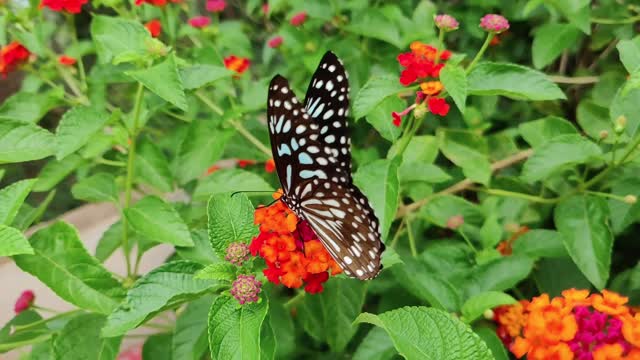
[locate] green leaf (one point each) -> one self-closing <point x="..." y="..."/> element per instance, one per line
<point x="55" y="171"/>
<point x="63" y="264"/>
<point x="80" y="339"/>
<point x="157" y="347"/>
<point x="623" y="214"/>
<point x="201" y="252"/>
<point x="429" y="334"/>
<point x="199" y="75"/>
<point x="96" y="188"/>
<point x="539" y="243"/>
<point x="234" y="331"/>
<point x="163" y="80"/>
<point x="550" y="40"/>
<point x="593" y="119"/>
<point x="202" y="147"/>
<point x="229" y="180"/>
<point x="625" y="103"/>
<point x="13" y="242"/>
<point x="20" y="141"/>
<point x="328" y="316"/>
<point x="219" y="271"/>
<point x="152" y="167"/>
<point x="27" y="215"/>
<point x="76" y="128"/>
<point x="379" y="182"/>
<point x="493" y="342"/>
<point x="117" y="37"/>
<point x="12" y="197"/>
<point x="499" y="275"/>
<point x="164" y="287"/>
<point x="513" y="81"/>
<point x="158" y="221"/>
<point x="110" y="241"/>
<point x="190" y="335"/>
<point x="373" y="93"/>
<point x="630" y="53"/>
<point x="376" y="345"/>
<point x="538" y="132"/>
<point x="476" y="305"/>
<point x="582" y="221"/>
<point x="442" y="208"/>
<point x="491" y="231"/>
<point x="548" y="281"/>
<point x="467" y="150"/>
<point x="230" y="220"/>
<point x="557" y="153"/>
<point x="281" y="322"/>
<point x="373" y="24"/>
<point x="454" y="80"/>
<point x="37" y="332"/>
<point x="380" y="117"/>
<point x="421" y="149"/>
<point x="29" y="107"/>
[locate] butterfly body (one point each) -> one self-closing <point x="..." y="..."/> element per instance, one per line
<point x="311" y="148"/>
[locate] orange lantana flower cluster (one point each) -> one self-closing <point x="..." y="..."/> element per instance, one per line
<point x="292" y="251"/>
<point x="577" y="325"/>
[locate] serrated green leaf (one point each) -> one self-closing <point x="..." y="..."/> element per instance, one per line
<point x="623" y="214"/>
<point x="513" y="81"/>
<point x="219" y="271"/>
<point x="202" y="147"/>
<point x="537" y="132"/>
<point x="162" y="288"/>
<point x="626" y="103"/>
<point x="555" y="154"/>
<point x="163" y="80"/>
<point x="158" y="221"/>
<point x="498" y="275"/>
<point x="442" y="208"/>
<point x="234" y="331"/>
<point x="80" y="339"/>
<point x="372" y="23"/>
<point x="540" y="243"/>
<point x="630" y="53"/>
<point x="467" y="150"/>
<point x="548" y="281"/>
<point x="55" y="171"/>
<point x="550" y="40"/>
<point x="201" y="252"/>
<point x="230" y="220"/>
<point x="20" y="141"/>
<point x="64" y="265"/>
<point x="376" y="345"/>
<point x="29" y="107"/>
<point x="493" y="342"/>
<point x="476" y="305"/>
<point x="199" y="75"/>
<point x="114" y="36"/>
<point x="37" y="332"/>
<point x="594" y="119"/>
<point x="76" y="128"/>
<point x="582" y="221"/>
<point x="379" y="182"/>
<point x="373" y="93"/>
<point x="328" y="316"/>
<point x="229" y="180"/>
<point x="380" y="117"/>
<point x="454" y="80"/>
<point x="96" y="188"/>
<point x="429" y="334"/>
<point x="152" y="167"/>
<point x="189" y="340"/>
<point x="12" y="197"/>
<point x="13" y="242"/>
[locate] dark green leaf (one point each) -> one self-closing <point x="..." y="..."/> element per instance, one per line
<point x="476" y="305"/>
<point x="375" y="346"/>
<point x="202" y="147"/>
<point x="229" y="180"/>
<point x="467" y="150"/>
<point x="454" y="80"/>
<point x="96" y="188"/>
<point x="163" y="80"/>
<point x="190" y="335"/>
<point x="538" y="132"/>
<point x="29" y="107"/>
<point x="493" y="342"/>
<point x="199" y="75"/>
<point x="158" y="221"/>
<point x="55" y="171"/>
<point x="157" y="347"/>
<point x="373" y="93"/>
<point x="20" y="141"/>
<point x="117" y="37"/>
<point x="80" y="340"/>
<point x="76" y="128"/>
<point x="499" y="275"/>
<point x="594" y="119"/>
<point x="540" y="243"/>
<point x="230" y="220"/>
<point x="380" y="117"/>
<point x="623" y="214"/>
<point x="548" y="281"/>
<point x="625" y="103"/>
<point x="152" y="167"/>
<point x="550" y="41"/>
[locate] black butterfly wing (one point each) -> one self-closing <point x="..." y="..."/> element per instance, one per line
<point x="327" y="102"/>
<point x="345" y="223"/>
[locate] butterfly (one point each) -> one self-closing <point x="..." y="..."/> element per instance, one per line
<point x="310" y="143"/>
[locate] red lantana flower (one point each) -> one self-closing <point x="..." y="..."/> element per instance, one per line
<point x="199" y="22"/>
<point x="237" y="64"/>
<point x="12" y="56"/>
<point x="438" y="106"/>
<point x="67" y="60"/>
<point x="299" y="18"/>
<point x="156" y="2"/>
<point x="420" y="62"/>
<point x="70" y="6"/>
<point x="154" y="27"/>
<point x="270" y="166"/>
<point x="24" y="301"/>
<point x="245" y="163"/>
<point x="275" y="42"/>
<point x="216" y="5"/>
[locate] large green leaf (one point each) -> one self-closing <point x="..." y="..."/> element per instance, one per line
<point x="594" y="119"/>
<point x="20" y="141"/>
<point x="13" y="242"/>
<point x="76" y="128"/>
<point x="29" y="107"/>
<point x="454" y="79"/>
<point x="234" y="331"/>
<point x="493" y="342"/>
<point x="550" y="40"/>
<point x="165" y="287"/>
<point x="540" y="243"/>
<point x="429" y="334"/>
<point x="80" y="339"/>
<point x="201" y="252"/>
<point x="582" y="221"/>
<point x="630" y="53"/>
<point x="37" y="332"/>
<point x="118" y="37"/>
<point x="190" y="335"/>
<point x="202" y="147"/>
<point x="64" y="265"/>
<point x="96" y="188"/>
<point x="158" y="221"/>
<point x="513" y="81"/>
<point x="442" y="208"/>
<point x="537" y="132"/>
<point x="152" y="167"/>
<point x="328" y="316"/>
<point x="623" y="214"/>
<point x="379" y="182"/>
<point x="548" y="281"/>
<point x="380" y="117"/>
<point x="498" y="275"/>
<point x="372" y="23"/>
<point x="476" y="305"/>
<point x="230" y="220"/>
<point x="373" y="93"/>
<point x="555" y="154"/>
<point x="157" y="347"/>
<point x="55" y="171"/>
<point x="163" y="80"/>
<point x="12" y="197"/>
<point x="376" y="345"/>
<point x="199" y="75"/>
<point x="229" y="180"/>
<point x="467" y="150"/>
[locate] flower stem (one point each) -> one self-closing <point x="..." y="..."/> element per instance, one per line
<point x="512" y="194"/>
<point x="487" y="41"/>
<point x="74" y="38"/>
<point x="412" y="240"/>
<point x="130" y="173"/>
<point x="606" y="195"/>
<point x="614" y="165"/>
<point x="44" y="321"/>
<point x="440" y="46"/>
<point x="629" y="20"/>
<point x="466" y="239"/>
<point x="13" y="345"/>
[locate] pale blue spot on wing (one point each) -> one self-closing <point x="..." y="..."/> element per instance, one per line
<point x="288" y="176"/>
<point x="318" y="111"/>
<point x="304" y="158"/>
<point x="294" y="144"/>
<point x="306" y="174"/>
<point x="284" y="149"/>
<point x="279" y="124"/>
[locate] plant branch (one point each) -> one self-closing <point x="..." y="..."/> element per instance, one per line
<point x="578" y="80"/>
<point x="484" y="47"/>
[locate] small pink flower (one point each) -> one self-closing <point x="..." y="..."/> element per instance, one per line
<point x="246" y="289"/>
<point x="24" y="301"/>
<point x="237" y="253"/>
<point x="397" y="116"/>
<point x="275" y="42"/>
<point x="455" y="222"/>
<point x="199" y="22"/>
<point x="494" y="23"/>
<point x="446" y="22"/>
<point x="216" y="5"/>
<point x="265" y="9"/>
<point x="299" y="18"/>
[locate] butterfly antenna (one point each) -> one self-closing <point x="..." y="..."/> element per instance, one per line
<point x="250" y="191"/>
